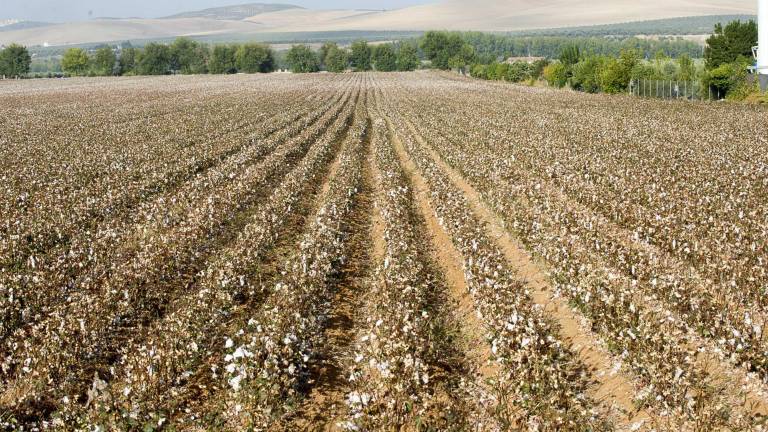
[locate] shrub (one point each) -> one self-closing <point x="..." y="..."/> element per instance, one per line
<point x="556" y="75"/>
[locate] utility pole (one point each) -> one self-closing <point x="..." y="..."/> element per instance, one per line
<point x="761" y="68"/>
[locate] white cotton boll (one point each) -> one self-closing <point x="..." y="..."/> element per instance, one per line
<point x="229" y="343"/>
<point x="231" y="368"/>
<point x="678" y="374"/>
<point x="241" y="352"/>
<point x="525" y="342"/>
<point x="235" y="382"/>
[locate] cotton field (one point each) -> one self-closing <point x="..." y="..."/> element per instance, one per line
<point x="378" y="252"/>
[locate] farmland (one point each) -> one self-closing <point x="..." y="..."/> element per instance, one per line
<point x="404" y="251"/>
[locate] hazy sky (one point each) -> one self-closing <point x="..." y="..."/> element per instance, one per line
<point x="75" y="10"/>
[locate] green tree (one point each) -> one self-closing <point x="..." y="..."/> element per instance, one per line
<point x="75" y="61"/>
<point x="587" y="74"/>
<point x="479" y="71"/>
<point x="223" y="60"/>
<point x="720" y="80"/>
<point x="384" y="58"/>
<point x="336" y="59"/>
<point x="555" y="75"/>
<point x="155" y="59"/>
<point x="301" y="59"/>
<point x="407" y="58"/>
<point x="729" y="80"/>
<point x="687" y="68"/>
<point x="570" y="55"/>
<point x="730" y="43"/>
<point x="103" y="61"/>
<point x="325" y="50"/>
<point x="361" y="56"/>
<point x="537" y="68"/>
<point x="254" y="58"/>
<point x="441" y="48"/>
<point x="127" y="61"/>
<point x="617" y="73"/>
<point x="188" y="56"/>
<point x="14" y="61"/>
<point x="644" y="71"/>
<point x="464" y="56"/>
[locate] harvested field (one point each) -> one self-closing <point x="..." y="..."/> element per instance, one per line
<point x="376" y="252"/>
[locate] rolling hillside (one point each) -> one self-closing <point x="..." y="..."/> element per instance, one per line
<point x="490" y="15"/>
<point x="235" y="13"/>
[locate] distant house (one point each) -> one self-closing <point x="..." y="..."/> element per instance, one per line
<point x="529" y="60"/>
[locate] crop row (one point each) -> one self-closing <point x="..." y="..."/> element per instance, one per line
<point x="396" y="366"/>
<point x="268" y="360"/>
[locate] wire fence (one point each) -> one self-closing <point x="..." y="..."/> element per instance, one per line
<point x="666" y="89"/>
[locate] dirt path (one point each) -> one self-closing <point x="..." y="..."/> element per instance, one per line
<point x="611" y="387"/>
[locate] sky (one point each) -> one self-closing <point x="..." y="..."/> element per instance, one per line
<point x="78" y="10"/>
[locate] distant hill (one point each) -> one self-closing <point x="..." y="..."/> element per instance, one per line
<point x="12" y="25"/>
<point x="234" y="13"/>
<point x="696" y="25"/>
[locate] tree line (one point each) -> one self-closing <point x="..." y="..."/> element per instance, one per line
<point x="361" y="56"/>
<point x="183" y="56"/>
<point x="724" y="69"/>
<point x="186" y="56"/>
